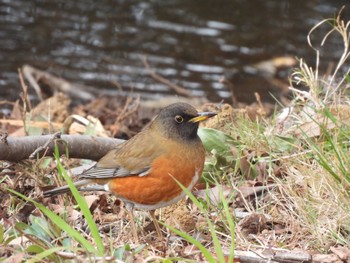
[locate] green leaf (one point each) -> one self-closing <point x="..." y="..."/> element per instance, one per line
<point x="60" y="223"/>
<point x="40" y="228"/>
<point x="214" y="139"/>
<point x="119" y="253"/>
<point x="13" y="233"/>
<point x="32" y="130"/>
<point x="347" y="78"/>
<point x="45" y="162"/>
<point x="2" y="234"/>
<point x="35" y="249"/>
<point x="283" y="144"/>
<point x="139" y="249"/>
<point x="44" y="254"/>
<point x="231" y="224"/>
<point x="4" y="178"/>
<point x="67" y="242"/>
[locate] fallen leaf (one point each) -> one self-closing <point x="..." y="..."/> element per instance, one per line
<point x="215" y="140"/>
<point x="249" y="192"/>
<point x="90" y="199"/>
<point x="253" y="223"/>
<point x="326" y="258"/>
<point x="213" y="194"/>
<point x="311" y="128"/>
<point x="16" y="258"/>
<point x="342" y="252"/>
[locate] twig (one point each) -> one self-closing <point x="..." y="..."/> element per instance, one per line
<point x="7" y="173"/>
<point x="276" y="256"/>
<point x="176" y="88"/>
<point x="39" y="124"/>
<point x="7" y="102"/>
<point x="261" y="106"/>
<point x="26" y="101"/>
<point x="292" y="256"/>
<point x="125" y="113"/>
<point x="54" y="136"/>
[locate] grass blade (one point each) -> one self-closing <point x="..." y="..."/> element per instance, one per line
<point x="83" y="206"/>
<point x="216" y="242"/>
<point x="62" y="224"/>
<point x="230" y="223"/>
<point x="44" y="254"/>
<point x="206" y="253"/>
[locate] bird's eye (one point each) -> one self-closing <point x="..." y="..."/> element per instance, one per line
<point x="179" y="119"/>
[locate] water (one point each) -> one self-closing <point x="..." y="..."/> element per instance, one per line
<point x="191" y="43"/>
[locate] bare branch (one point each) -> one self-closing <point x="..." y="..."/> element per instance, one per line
<point x="15" y="149"/>
<point x="33" y="76"/>
<point x="179" y="90"/>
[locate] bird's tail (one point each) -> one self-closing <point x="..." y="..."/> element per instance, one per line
<point x="65" y="189"/>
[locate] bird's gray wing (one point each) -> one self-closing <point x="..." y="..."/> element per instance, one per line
<point x="96" y="172"/>
<point x="129" y="159"/>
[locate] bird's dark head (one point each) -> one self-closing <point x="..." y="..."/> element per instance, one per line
<point x="181" y="121"/>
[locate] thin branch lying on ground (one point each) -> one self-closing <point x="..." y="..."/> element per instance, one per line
<point x="33" y="76"/>
<point x="179" y="90"/>
<point x="15" y="149"/>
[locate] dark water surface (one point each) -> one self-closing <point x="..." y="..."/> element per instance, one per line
<point x="191" y="43"/>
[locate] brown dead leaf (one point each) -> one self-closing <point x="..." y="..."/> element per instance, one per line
<point x="90" y="199"/>
<point x="72" y="214"/>
<point x="247" y="193"/>
<point x="16" y="258"/>
<point x="48" y="115"/>
<point x="16" y="113"/>
<point x="342" y="113"/>
<point x="253" y="224"/>
<point x="263" y="173"/>
<point x="245" y="167"/>
<point x="76" y="124"/>
<point x="25" y="212"/>
<point x="326" y="258"/>
<point x="342" y="252"/>
<point x="37" y="124"/>
<point x="53" y="109"/>
<point x="18" y="241"/>
<point x="109" y="218"/>
<point x="213" y="193"/>
<point x="190" y="250"/>
<point x="312" y="128"/>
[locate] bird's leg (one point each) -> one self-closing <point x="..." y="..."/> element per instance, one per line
<point x="156" y="225"/>
<point x="130" y="210"/>
<point x="159" y="232"/>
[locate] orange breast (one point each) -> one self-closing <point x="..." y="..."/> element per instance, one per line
<point x="159" y="186"/>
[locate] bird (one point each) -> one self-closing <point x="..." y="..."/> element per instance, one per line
<point x="142" y="170"/>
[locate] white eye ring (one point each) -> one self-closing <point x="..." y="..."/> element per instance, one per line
<point x="179" y="119"/>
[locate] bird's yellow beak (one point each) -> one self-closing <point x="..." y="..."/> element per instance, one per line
<point x="202" y="116"/>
